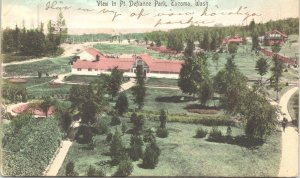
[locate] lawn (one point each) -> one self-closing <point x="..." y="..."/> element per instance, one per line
<point x="184" y="155"/>
<point x="129" y="49"/>
<point x="57" y="91"/>
<point x="161" y="82"/>
<point x="39" y="87"/>
<point x="52" y="66"/>
<point x="170" y="100"/>
<point x="80" y="78"/>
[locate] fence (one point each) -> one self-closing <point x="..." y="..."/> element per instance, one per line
<point x="284" y="59"/>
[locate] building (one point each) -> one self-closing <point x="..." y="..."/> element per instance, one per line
<point x="236" y="39"/>
<point x="97" y="63"/>
<point x="275" y="37"/>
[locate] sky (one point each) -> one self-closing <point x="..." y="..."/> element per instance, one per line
<point x="99" y="19"/>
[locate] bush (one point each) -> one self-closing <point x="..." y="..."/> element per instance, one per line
<point x="115" y="120"/>
<point x="215" y="134"/>
<point x="136" y="149"/>
<point x="228" y="132"/>
<point x="201" y="133"/>
<point x="101" y="126"/>
<point x="125" y="167"/>
<point x="93" y="172"/>
<point x="162" y="133"/>
<point x="151" y="155"/>
<point x="84" y="134"/>
<point x="122" y="104"/>
<point x="124" y="127"/>
<point x="109" y="137"/>
<point x="70" y="172"/>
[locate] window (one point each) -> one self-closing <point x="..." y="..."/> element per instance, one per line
<point x="89" y="69"/>
<point x="79" y="69"/>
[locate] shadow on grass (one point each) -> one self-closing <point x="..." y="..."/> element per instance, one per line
<point x="242" y="141"/>
<point x="141" y="165"/>
<point x="175" y="99"/>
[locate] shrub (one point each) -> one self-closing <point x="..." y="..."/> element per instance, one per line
<point x="124" y="127"/>
<point x="228" y="132"/>
<point x="115" y="120"/>
<point x="201" y="133"/>
<point x="70" y="169"/>
<point x="122" y="104"/>
<point x="149" y="136"/>
<point x="116" y="147"/>
<point x="133" y="117"/>
<point x="125" y="167"/>
<point x="101" y="126"/>
<point x="93" y="172"/>
<point x="109" y="137"/>
<point x="84" y="134"/>
<point x="151" y="155"/>
<point x="215" y="134"/>
<point x="162" y="133"/>
<point x="136" y="149"/>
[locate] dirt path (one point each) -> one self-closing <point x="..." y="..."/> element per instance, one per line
<point x="60" y="155"/>
<point x="65" y="145"/>
<point x="70" y="50"/>
<point x="289" y="157"/>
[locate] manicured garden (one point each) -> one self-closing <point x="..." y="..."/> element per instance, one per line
<point x="184" y="155"/>
<point x="52" y="66"/>
<point x="29" y="144"/>
<point x="129" y="49"/>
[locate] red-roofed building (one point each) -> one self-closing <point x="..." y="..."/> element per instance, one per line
<point x="275" y="37"/>
<point x="236" y="39"/>
<point x="152" y="67"/>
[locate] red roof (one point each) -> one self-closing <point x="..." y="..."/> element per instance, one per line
<point x="236" y="39"/>
<point x="278" y="32"/>
<point x="155" y="65"/>
<point x="94" y="52"/>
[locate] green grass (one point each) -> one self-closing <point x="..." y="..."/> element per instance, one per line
<point x="162" y="82"/>
<point x="46" y="89"/>
<point x="39" y="87"/>
<point x="152" y="105"/>
<point x="184" y="155"/>
<point x="81" y="78"/>
<point x="52" y="66"/>
<point x="129" y="49"/>
<point x="9" y="57"/>
<point x="32" y="82"/>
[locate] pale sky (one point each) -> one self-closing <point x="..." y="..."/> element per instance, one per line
<point x="16" y="11"/>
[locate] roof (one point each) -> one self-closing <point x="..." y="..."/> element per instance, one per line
<point x="155" y="65"/>
<point x="277" y="32"/>
<point x="94" y="52"/>
<point x="235" y="39"/>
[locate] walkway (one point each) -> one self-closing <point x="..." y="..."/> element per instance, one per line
<point x="62" y="152"/>
<point x="60" y="155"/>
<point x="289" y="157"/>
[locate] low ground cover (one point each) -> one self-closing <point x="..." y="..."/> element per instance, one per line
<point x="29" y="144"/>
<point x="52" y="66"/>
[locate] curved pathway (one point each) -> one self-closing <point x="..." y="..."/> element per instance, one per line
<point x="289" y="156"/>
<point x="65" y="145"/>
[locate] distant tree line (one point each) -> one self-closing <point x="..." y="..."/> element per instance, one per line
<point x="210" y="38"/>
<point x="34" y="42"/>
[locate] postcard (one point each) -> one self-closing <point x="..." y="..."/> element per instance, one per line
<point x="119" y="88"/>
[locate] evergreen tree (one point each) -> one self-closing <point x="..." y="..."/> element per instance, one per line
<point x="277" y="72"/>
<point x="70" y="172"/>
<point x="163" y="119"/>
<point x="116" y="147"/>
<point x="139" y="90"/>
<point x="262" y="67"/>
<point x="151" y="155"/>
